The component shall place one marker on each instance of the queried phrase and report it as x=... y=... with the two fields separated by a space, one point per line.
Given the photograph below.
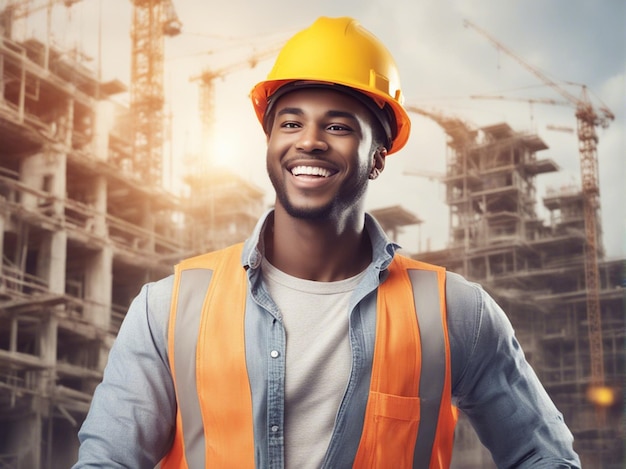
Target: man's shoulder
x=411 y=263
x=455 y=283
x=458 y=284
x=212 y=258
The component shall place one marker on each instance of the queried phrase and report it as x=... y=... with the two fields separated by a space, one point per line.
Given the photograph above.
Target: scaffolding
x=80 y=232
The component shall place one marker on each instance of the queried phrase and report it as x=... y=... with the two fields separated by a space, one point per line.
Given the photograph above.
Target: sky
x=442 y=65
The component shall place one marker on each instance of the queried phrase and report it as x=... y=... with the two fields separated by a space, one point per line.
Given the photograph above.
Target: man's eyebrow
x=289 y=110
x=346 y=114
x=331 y=113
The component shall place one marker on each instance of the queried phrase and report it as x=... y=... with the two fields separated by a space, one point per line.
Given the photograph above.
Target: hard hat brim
x=266 y=93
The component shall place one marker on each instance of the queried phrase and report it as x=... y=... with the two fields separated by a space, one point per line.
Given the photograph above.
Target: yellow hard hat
x=339 y=51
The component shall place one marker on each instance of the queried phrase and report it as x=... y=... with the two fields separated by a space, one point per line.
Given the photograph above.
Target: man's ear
x=378 y=162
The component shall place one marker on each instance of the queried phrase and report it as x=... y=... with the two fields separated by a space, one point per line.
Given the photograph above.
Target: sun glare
x=224 y=151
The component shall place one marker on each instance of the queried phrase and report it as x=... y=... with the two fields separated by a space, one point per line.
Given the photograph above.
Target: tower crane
x=207 y=93
x=152 y=20
x=587 y=118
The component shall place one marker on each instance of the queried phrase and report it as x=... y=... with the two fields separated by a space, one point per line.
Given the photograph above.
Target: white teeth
x=310 y=171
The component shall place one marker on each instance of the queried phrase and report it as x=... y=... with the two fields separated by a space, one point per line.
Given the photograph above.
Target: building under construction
x=535 y=269
x=85 y=221
x=83 y=225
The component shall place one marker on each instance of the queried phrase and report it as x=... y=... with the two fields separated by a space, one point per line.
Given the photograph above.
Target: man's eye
x=289 y=125
x=339 y=128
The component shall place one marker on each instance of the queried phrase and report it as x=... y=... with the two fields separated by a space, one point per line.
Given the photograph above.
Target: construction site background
x=85 y=221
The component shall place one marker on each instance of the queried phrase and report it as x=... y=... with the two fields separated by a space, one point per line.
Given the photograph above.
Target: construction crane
x=152 y=20
x=556 y=102
x=459 y=132
x=207 y=95
x=587 y=118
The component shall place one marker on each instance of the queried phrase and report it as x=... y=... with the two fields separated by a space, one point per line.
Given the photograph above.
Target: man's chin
x=308 y=213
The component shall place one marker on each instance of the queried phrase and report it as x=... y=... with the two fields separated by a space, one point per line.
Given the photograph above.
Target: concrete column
x=32 y=170
x=99 y=287
x=48 y=172
x=103 y=122
x=57 y=169
x=51 y=263
x=45 y=172
x=52 y=259
x=67 y=124
x=99 y=198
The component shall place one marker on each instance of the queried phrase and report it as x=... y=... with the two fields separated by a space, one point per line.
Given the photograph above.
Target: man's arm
x=132 y=415
x=496 y=388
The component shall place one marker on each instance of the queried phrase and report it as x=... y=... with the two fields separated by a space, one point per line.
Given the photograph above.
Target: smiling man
x=321 y=153
x=320 y=145
x=314 y=344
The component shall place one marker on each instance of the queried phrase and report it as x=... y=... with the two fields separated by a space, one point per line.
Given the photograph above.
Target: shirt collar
x=383 y=249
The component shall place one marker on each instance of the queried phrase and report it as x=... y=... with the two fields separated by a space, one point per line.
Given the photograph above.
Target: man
x=314 y=345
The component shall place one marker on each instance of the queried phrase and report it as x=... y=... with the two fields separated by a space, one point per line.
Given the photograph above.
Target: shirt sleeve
x=497 y=389
x=132 y=415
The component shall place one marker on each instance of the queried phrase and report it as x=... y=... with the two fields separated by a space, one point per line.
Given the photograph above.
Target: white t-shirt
x=318 y=359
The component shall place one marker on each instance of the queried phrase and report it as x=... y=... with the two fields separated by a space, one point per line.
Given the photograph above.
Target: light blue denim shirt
x=132 y=417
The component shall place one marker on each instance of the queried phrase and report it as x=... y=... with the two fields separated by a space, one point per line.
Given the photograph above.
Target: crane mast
x=587 y=119
x=152 y=20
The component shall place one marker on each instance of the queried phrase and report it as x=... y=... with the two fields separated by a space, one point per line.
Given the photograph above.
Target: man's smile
x=317 y=171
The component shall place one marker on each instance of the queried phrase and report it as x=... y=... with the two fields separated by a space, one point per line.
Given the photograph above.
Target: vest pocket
x=395 y=407
x=390 y=431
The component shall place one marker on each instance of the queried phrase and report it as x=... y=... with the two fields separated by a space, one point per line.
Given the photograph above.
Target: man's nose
x=311 y=139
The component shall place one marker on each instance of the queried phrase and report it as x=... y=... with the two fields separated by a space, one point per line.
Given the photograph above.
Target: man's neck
x=317 y=250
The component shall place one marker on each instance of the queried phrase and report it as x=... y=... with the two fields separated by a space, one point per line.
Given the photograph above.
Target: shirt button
x=274 y=354
x=274 y=428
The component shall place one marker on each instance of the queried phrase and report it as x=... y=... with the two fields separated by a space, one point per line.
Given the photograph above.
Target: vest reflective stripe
x=189 y=281
x=435 y=392
x=409 y=420
x=209 y=407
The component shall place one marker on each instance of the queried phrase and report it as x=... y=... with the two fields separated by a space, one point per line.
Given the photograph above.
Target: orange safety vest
x=409 y=422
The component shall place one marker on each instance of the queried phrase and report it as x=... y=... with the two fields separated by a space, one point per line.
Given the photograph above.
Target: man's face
x=319 y=153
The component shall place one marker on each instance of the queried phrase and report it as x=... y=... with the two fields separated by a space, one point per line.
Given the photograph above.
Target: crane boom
x=587 y=119
x=459 y=132
x=528 y=100
x=566 y=94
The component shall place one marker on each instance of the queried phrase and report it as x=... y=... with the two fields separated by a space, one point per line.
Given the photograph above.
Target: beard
x=349 y=196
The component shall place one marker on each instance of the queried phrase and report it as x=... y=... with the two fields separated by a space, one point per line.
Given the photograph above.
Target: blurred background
x=128 y=142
